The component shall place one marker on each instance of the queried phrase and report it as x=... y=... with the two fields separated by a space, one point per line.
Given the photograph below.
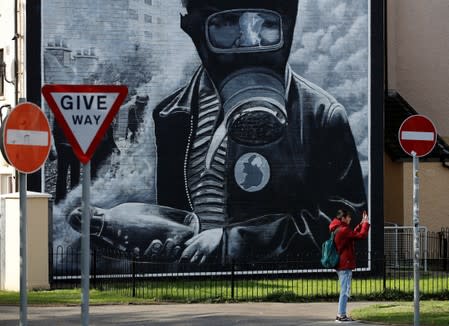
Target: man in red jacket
x=344 y=241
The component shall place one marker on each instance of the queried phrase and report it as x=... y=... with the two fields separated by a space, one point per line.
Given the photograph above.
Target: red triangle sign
x=84 y=113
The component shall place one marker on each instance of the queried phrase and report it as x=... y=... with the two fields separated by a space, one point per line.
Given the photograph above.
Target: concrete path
x=248 y=314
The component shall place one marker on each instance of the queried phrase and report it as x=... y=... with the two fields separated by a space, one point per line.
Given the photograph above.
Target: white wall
x=7 y=44
x=418 y=47
x=37 y=241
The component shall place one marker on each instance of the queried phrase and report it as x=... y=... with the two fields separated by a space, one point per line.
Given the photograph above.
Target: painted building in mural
x=247 y=126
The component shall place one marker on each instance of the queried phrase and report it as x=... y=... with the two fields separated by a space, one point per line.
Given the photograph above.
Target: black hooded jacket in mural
x=272 y=188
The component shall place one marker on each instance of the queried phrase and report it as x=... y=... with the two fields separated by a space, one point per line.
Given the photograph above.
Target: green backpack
x=329 y=254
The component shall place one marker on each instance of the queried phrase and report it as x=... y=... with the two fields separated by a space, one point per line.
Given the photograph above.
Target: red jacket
x=344 y=241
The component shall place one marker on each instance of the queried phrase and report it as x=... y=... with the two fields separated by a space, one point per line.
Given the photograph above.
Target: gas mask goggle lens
x=244 y=30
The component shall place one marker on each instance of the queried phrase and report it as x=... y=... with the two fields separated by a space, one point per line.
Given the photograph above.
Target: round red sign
x=26 y=138
x=417 y=135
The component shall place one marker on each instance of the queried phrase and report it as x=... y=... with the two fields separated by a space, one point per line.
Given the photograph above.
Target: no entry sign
x=26 y=138
x=418 y=135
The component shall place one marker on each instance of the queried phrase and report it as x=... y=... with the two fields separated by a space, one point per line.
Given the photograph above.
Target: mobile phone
x=365 y=213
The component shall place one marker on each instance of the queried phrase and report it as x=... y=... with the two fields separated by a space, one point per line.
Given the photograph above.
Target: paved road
x=248 y=314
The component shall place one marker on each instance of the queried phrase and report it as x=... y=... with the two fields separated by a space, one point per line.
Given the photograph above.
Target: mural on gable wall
x=245 y=129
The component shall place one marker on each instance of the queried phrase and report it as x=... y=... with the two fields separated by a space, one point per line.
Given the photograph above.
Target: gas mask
x=245 y=52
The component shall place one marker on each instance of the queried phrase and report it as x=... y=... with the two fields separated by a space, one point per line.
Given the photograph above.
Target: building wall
x=418 y=65
x=153 y=178
x=37 y=241
x=8 y=99
x=398 y=194
x=7 y=44
x=393 y=193
x=418 y=44
x=433 y=195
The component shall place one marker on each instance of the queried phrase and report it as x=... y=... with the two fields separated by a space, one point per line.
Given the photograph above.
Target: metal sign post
x=84 y=113
x=416 y=250
x=25 y=141
x=417 y=136
x=85 y=245
x=23 y=248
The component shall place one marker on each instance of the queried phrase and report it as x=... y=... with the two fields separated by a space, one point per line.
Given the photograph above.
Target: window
x=148 y=19
x=67 y=58
x=132 y=14
x=2 y=72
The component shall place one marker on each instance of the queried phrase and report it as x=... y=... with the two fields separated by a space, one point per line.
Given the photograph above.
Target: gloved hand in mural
x=153 y=232
x=261 y=156
x=202 y=245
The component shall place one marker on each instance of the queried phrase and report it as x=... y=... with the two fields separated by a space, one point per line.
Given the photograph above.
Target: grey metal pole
x=23 y=248
x=85 y=245
x=416 y=253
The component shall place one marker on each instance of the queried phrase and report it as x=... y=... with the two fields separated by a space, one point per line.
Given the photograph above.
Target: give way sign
x=417 y=135
x=84 y=113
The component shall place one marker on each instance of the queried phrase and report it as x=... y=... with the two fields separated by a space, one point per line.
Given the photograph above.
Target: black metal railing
x=113 y=270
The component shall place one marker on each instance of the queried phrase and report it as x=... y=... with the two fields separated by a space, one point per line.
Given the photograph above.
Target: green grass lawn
x=269 y=289
x=221 y=290
x=402 y=313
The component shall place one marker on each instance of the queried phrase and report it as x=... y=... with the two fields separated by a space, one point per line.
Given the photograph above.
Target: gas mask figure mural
x=252 y=159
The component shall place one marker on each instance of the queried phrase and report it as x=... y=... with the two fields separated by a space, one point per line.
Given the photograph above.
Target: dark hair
x=342 y=213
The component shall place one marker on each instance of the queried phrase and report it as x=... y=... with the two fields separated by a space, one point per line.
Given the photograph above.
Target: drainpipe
x=16 y=52
x=18 y=61
x=385 y=13
x=19 y=52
